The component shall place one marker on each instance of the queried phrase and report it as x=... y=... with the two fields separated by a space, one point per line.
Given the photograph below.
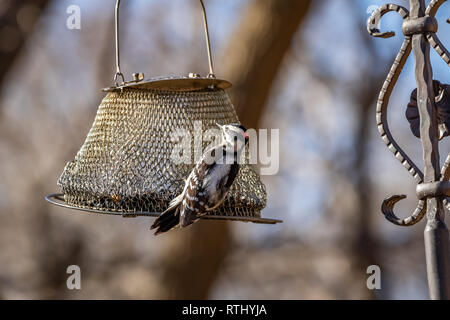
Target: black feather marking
x=240 y=126
x=166 y=221
x=188 y=217
x=232 y=175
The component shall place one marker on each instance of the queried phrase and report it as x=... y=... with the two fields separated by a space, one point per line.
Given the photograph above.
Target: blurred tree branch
x=356 y=237
x=192 y=258
x=17 y=19
x=256 y=52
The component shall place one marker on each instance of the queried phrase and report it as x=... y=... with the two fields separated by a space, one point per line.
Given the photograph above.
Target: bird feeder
x=124 y=167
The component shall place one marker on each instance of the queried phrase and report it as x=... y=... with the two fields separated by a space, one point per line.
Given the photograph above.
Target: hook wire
x=208 y=42
x=116 y=28
x=117 y=40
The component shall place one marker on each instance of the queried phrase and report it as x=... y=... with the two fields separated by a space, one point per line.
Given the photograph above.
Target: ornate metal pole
x=429 y=115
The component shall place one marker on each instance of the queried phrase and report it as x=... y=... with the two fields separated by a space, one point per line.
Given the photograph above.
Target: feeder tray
x=125 y=168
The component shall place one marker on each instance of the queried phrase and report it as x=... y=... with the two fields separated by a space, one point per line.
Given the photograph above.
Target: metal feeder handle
x=116 y=25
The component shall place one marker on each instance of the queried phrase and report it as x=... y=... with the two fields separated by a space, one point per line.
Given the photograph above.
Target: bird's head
x=234 y=135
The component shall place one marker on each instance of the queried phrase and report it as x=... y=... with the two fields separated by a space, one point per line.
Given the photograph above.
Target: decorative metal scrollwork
x=442 y=102
x=426 y=25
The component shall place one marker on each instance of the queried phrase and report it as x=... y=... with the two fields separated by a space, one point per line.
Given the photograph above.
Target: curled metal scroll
x=119 y=73
x=388 y=205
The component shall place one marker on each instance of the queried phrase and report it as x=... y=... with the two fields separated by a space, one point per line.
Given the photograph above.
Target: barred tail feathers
x=167 y=221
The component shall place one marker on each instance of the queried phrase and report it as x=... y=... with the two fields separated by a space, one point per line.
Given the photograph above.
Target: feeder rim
x=58 y=200
x=192 y=82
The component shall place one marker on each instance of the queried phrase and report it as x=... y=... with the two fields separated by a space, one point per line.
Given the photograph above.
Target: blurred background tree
x=17 y=21
x=306 y=67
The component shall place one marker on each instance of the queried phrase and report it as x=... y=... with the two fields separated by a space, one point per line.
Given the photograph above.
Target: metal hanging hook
x=119 y=73
x=116 y=28
x=208 y=43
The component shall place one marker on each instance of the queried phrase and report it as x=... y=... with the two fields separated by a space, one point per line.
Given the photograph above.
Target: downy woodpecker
x=208 y=183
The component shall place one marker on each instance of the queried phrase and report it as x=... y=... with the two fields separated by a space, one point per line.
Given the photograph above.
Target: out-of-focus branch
x=17 y=19
x=192 y=258
x=357 y=238
x=256 y=52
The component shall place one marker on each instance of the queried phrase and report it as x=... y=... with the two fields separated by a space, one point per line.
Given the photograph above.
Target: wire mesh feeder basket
x=125 y=168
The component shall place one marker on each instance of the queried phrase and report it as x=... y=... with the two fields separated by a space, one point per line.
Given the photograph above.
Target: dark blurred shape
x=17 y=18
x=256 y=52
x=441 y=92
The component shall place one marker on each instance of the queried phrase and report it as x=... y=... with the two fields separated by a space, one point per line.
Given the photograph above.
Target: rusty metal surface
x=442 y=103
x=428 y=115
